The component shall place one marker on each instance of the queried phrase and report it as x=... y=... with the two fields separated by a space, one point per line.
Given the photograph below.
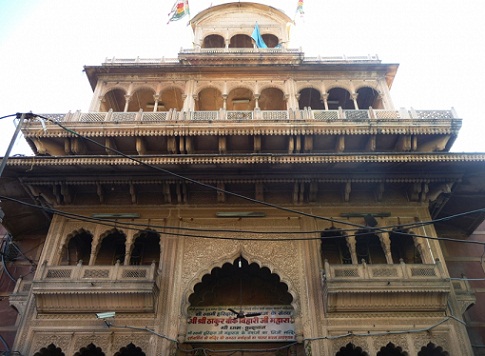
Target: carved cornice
x=270 y=159
x=251 y=128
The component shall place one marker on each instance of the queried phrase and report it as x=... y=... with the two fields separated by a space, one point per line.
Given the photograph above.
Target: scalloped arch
x=230 y=259
x=144 y=86
x=109 y=89
x=170 y=87
x=272 y=86
x=211 y=85
x=241 y=85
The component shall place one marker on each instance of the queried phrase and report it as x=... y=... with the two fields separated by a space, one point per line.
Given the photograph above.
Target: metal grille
x=325 y=115
x=275 y=115
x=239 y=115
x=92 y=117
x=205 y=115
x=155 y=116
x=96 y=273
x=386 y=114
x=357 y=114
x=123 y=116
x=59 y=273
x=137 y=273
x=384 y=272
x=423 y=272
x=347 y=272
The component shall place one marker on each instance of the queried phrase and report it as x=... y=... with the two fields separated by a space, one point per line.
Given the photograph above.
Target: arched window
x=270 y=40
x=146 y=248
x=240 y=99
x=170 y=98
x=368 y=97
x=113 y=100
x=51 y=350
x=112 y=248
x=90 y=350
x=339 y=97
x=368 y=247
x=141 y=99
x=334 y=246
x=351 y=350
x=310 y=98
x=391 y=350
x=432 y=350
x=213 y=41
x=272 y=99
x=130 y=350
x=209 y=99
x=241 y=41
x=78 y=248
x=403 y=247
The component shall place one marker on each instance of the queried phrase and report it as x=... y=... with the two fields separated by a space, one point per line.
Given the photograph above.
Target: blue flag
x=256 y=36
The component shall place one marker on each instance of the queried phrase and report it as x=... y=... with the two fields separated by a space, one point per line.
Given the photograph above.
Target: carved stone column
x=256 y=100
x=156 y=98
x=386 y=246
x=127 y=102
x=354 y=99
x=351 y=244
x=325 y=100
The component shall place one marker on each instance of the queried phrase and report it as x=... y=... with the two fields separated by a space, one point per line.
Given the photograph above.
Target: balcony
x=77 y=289
x=367 y=117
x=382 y=288
x=246 y=131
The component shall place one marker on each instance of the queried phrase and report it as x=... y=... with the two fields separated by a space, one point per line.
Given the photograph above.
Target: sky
x=439 y=45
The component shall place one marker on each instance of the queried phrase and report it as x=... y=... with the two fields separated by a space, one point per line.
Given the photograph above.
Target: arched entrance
x=242 y=307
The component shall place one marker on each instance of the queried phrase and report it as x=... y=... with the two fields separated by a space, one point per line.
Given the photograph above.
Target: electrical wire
x=144 y=227
x=134 y=159
x=11 y=115
x=220 y=190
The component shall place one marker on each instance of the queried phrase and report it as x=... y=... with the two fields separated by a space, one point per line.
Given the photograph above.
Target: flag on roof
x=299 y=8
x=179 y=10
x=258 y=39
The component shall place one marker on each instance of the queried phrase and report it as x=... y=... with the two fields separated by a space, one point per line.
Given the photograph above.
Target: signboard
x=218 y=324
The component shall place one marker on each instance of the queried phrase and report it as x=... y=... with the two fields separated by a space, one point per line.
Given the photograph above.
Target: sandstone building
x=241 y=200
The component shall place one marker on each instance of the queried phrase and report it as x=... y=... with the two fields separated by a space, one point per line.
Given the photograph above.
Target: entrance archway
x=246 y=301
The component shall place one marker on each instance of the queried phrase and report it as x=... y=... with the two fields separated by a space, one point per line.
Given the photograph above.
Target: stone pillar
x=354 y=99
x=127 y=102
x=386 y=246
x=351 y=244
x=224 y=101
x=256 y=100
x=156 y=98
x=325 y=100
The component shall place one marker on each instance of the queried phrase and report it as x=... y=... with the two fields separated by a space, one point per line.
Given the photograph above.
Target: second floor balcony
x=66 y=289
x=384 y=287
x=246 y=131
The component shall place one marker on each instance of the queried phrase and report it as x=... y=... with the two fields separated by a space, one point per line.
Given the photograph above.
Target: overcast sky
x=439 y=44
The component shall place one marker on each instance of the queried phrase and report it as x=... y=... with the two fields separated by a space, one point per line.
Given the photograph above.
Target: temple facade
x=241 y=199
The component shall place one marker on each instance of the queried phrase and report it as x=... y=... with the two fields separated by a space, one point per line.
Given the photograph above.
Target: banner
x=218 y=324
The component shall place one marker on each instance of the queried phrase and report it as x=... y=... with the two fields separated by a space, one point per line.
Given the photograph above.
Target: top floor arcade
x=233 y=25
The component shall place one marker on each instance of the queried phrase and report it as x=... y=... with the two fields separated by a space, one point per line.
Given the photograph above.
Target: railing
x=99 y=273
x=382 y=287
x=70 y=289
x=185 y=51
x=353 y=116
x=366 y=271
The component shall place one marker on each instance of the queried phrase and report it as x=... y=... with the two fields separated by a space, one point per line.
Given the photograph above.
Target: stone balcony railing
x=401 y=117
x=380 y=288
x=184 y=51
x=66 y=289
